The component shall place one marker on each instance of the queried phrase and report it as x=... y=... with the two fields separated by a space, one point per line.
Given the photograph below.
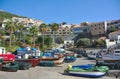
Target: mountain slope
x=7 y=15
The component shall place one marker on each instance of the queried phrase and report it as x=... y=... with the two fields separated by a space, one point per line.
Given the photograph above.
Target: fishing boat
x=58 y=62
x=10 y=67
x=109 y=57
x=51 y=57
x=87 y=71
x=1 y=61
x=92 y=55
x=33 y=61
x=69 y=59
x=23 y=65
x=7 y=57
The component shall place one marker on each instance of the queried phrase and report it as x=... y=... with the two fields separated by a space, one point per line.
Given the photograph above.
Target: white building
x=114 y=35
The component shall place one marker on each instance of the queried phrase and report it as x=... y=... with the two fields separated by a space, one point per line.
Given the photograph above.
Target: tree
x=10 y=28
x=101 y=42
x=84 y=23
x=112 y=29
x=54 y=27
x=20 y=28
x=63 y=23
x=42 y=28
x=34 y=31
x=83 y=42
x=60 y=40
x=48 y=40
x=2 y=37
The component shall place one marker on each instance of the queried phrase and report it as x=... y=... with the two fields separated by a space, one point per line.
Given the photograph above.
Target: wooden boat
x=87 y=71
x=7 y=57
x=33 y=61
x=10 y=67
x=69 y=59
x=108 y=58
x=49 y=58
x=23 y=65
x=52 y=63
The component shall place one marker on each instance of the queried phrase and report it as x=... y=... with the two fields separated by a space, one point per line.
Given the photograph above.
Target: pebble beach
x=40 y=72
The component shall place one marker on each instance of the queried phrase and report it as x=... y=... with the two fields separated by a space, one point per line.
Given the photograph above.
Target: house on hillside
x=115 y=36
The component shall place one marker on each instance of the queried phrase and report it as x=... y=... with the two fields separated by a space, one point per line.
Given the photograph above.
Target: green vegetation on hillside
x=7 y=15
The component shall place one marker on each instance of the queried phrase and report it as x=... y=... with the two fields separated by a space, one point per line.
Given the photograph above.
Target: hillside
x=7 y=15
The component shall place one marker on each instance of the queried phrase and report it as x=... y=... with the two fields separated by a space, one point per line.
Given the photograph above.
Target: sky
x=69 y=11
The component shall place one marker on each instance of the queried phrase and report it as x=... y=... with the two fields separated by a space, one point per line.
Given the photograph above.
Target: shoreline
x=40 y=72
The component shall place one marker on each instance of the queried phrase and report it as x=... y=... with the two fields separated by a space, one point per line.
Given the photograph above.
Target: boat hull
x=67 y=60
x=87 y=74
x=52 y=62
x=33 y=61
x=108 y=58
x=87 y=70
x=12 y=67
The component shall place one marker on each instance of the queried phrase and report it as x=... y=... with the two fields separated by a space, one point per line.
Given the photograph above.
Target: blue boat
x=69 y=59
x=90 y=71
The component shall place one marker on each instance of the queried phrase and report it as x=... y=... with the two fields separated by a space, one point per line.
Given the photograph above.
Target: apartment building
x=113 y=23
x=97 y=28
x=63 y=30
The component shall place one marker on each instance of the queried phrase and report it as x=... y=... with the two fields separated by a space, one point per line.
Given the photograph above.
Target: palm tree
x=34 y=31
x=10 y=28
x=42 y=28
x=20 y=28
x=54 y=28
x=2 y=37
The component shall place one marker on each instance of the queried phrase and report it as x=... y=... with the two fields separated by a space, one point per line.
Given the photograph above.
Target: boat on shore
x=10 y=67
x=109 y=57
x=33 y=61
x=69 y=59
x=58 y=62
x=111 y=65
x=87 y=71
x=7 y=57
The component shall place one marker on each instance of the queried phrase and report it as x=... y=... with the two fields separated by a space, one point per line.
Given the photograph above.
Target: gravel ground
x=40 y=72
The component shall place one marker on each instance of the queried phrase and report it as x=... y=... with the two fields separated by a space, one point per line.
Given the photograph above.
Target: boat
x=0 y=65
x=109 y=57
x=90 y=71
x=7 y=57
x=111 y=65
x=33 y=61
x=92 y=55
x=10 y=67
x=51 y=57
x=58 y=62
x=69 y=59
x=23 y=65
